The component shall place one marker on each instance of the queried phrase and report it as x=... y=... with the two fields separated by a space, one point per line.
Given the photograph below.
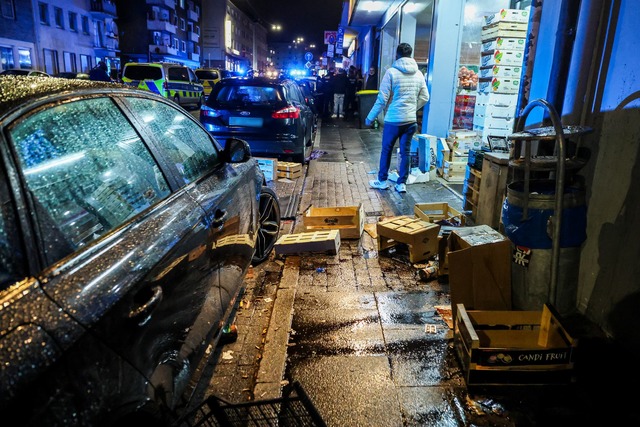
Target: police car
x=209 y=77
x=173 y=81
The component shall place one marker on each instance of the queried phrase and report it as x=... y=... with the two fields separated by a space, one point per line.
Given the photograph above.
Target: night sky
x=298 y=18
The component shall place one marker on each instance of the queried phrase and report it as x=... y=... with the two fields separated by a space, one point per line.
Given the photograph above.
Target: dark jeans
x=390 y=134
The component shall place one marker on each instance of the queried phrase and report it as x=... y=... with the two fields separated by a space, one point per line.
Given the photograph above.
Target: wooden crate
x=348 y=220
x=289 y=170
x=434 y=212
x=317 y=241
x=421 y=236
x=513 y=347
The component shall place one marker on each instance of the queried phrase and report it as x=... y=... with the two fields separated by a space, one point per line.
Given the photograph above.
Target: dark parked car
x=271 y=115
x=125 y=235
x=72 y=75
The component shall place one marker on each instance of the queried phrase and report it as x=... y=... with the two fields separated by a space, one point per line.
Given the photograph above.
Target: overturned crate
x=348 y=220
x=513 y=347
x=439 y=211
x=316 y=241
x=420 y=236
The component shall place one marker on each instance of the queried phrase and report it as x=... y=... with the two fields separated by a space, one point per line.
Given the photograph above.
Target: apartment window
x=69 y=59
x=197 y=31
x=176 y=43
x=51 y=61
x=8 y=9
x=59 y=17
x=182 y=5
x=197 y=9
x=73 y=22
x=85 y=63
x=43 y=10
x=183 y=46
x=182 y=24
x=85 y=25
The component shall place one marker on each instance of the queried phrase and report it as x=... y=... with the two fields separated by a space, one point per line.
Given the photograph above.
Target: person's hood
x=406 y=65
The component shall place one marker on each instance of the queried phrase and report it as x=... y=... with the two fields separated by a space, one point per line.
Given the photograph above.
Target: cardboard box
x=499 y=85
x=500 y=123
x=500 y=99
x=513 y=347
x=502 y=57
x=506 y=112
x=508 y=15
x=348 y=220
x=420 y=236
x=479 y=268
x=502 y=43
x=269 y=167
x=289 y=170
x=516 y=30
x=500 y=71
x=439 y=211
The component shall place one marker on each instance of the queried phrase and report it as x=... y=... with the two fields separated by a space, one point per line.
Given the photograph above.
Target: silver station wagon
x=126 y=232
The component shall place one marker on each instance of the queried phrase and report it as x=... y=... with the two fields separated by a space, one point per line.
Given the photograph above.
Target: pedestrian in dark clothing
x=340 y=82
x=327 y=94
x=403 y=91
x=372 y=79
x=99 y=73
x=350 y=94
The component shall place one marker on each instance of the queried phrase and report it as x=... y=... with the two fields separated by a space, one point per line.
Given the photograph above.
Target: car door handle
x=219 y=218
x=142 y=313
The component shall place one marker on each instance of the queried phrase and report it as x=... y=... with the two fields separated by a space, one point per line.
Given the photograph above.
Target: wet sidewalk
x=360 y=330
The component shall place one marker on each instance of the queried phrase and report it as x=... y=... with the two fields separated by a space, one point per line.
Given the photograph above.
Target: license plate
x=245 y=121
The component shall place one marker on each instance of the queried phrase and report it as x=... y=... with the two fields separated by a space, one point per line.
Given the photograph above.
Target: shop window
x=6 y=58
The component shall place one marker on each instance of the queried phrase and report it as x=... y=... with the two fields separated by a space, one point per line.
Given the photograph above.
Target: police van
x=173 y=81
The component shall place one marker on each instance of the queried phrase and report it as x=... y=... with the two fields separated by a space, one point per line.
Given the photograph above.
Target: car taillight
x=286 y=113
x=209 y=112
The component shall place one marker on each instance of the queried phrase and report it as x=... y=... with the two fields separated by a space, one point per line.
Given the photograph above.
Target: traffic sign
x=308 y=56
x=308 y=65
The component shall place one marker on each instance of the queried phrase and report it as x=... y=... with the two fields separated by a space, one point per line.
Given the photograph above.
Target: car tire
x=268 y=224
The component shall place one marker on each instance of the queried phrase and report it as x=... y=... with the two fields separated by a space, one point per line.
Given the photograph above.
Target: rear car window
x=230 y=95
x=142 y=72
x=207 y=75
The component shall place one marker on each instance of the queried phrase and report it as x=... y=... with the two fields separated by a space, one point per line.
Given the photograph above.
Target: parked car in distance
x=126 y=232
x=171 y=80
x=271 y=115
x=72 y=75
x=24 y=72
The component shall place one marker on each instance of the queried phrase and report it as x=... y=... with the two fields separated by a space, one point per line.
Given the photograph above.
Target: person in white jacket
x=403 y=91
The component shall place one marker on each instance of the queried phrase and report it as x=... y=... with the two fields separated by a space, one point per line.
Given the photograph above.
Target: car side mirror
x=237 y=150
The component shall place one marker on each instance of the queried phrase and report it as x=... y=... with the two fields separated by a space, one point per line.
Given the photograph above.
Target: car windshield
x=207 y=75
x=142 y=72
x=242 y=95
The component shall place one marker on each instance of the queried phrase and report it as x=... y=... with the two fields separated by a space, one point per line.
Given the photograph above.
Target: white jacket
x=403 y=91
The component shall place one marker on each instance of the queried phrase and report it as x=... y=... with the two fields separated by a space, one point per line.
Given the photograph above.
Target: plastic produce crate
x=294 y=408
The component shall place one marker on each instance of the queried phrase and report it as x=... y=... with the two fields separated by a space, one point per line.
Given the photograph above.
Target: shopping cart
x=294 y=408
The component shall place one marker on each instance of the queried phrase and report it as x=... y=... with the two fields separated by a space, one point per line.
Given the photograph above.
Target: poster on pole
x=340 y=40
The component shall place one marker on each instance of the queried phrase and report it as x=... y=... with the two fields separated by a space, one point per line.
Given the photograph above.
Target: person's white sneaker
x=401 y=188
x=380 y=185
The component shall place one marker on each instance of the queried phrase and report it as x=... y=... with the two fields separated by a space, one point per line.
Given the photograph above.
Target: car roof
x=254 y=81
x=18 y=90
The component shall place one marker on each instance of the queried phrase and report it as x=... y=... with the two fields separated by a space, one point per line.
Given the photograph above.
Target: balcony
x=194 y=37
x=171 y=4
x=103 y=8
x=194 y=57
x=161 y=49
x=192 y=16
x=157 y=25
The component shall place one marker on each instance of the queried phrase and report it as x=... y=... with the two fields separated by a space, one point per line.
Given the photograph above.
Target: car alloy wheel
x=269 y=224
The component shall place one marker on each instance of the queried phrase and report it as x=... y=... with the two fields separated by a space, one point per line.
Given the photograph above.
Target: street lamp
x=276 y=27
